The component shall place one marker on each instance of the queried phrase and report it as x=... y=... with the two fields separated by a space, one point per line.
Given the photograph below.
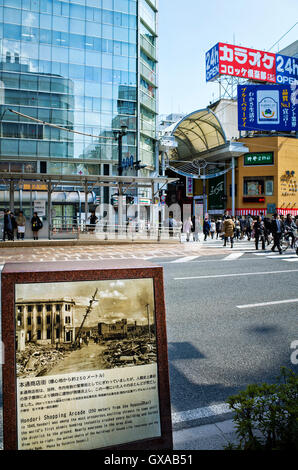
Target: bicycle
x=285 y=241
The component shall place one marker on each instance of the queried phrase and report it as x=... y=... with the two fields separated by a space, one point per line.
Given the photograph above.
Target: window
x=49 y=308
x=258 y=186
x=30 y=308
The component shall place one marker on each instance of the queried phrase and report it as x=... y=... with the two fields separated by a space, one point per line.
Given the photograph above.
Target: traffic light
x=130 y=200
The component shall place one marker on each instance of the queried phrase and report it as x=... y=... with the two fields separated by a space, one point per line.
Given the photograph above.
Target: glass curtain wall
x=74 y=64
x=148 y=81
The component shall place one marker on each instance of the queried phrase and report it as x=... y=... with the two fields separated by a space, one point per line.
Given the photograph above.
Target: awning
x=196 y=133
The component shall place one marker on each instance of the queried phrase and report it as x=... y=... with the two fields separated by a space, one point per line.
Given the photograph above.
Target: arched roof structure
x=196 y=133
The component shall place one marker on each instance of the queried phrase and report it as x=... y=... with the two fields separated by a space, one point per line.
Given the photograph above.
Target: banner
x=242 y=62
x=267 y=108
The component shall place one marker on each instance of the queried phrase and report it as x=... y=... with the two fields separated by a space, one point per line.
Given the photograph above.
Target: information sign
x=85 y=357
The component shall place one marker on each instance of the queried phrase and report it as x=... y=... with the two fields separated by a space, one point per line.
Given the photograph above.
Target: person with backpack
x=36 y=225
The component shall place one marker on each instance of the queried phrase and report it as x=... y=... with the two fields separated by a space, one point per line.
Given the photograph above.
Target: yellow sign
x=35 y=187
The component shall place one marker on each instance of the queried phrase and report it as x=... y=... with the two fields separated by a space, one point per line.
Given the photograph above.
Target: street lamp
x=118 y=137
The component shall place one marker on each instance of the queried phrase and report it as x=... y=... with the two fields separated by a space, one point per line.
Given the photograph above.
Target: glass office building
x=87 y=66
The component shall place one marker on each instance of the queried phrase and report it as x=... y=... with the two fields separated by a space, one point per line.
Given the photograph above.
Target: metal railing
x=128 y=232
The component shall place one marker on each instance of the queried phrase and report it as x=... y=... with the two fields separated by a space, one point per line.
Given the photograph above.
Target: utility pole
x=148 y=316
x=88 y=310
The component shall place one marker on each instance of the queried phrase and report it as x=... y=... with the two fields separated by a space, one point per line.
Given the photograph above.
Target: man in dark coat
x=277 y=228
x=8 y=225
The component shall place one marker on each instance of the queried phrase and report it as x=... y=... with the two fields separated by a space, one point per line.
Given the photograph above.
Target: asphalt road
x=219 y=338
x=217 y=342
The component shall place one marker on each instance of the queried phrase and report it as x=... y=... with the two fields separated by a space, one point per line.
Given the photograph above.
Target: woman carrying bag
x=21 y=225
x=36 y=225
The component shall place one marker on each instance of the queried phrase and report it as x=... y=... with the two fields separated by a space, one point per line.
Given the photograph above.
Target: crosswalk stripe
x=233 y=256
x=185 y=259
x=293 y=260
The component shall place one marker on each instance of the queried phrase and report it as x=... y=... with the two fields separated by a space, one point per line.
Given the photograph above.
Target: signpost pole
x=233 y=186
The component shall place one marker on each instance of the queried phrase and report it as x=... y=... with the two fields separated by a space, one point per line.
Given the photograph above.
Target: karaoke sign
x=242 y=62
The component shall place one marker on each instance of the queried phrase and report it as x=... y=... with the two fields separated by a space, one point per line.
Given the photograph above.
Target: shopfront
x=266 y=178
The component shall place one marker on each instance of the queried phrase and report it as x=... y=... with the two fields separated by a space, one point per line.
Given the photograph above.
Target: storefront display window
x=258 y=186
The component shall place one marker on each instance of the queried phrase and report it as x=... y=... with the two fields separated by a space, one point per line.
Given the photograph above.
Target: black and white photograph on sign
x=68 y=327
x=86 y=364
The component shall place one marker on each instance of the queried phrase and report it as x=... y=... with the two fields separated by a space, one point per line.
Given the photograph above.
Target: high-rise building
x=87 y=66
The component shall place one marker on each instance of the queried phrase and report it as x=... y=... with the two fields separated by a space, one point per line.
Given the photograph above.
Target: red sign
x=247 y=63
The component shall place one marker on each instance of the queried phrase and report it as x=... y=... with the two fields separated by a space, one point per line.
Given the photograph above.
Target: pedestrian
x=218 y=227
x=93 y=221
x=249 y=222
x=8 y=226
x=237 y=228
x=290 y=228
x=212 y=228
x=187 y=226
x=197 y=229
x=21 y=225
x=267 y=223
x=259 y=231
x=36 y=225
x=242 y=227
x=277 y=231
x=206 y=228
x=228 y=228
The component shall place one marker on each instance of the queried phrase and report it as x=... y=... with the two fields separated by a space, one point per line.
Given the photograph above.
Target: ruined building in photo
x=44 y=322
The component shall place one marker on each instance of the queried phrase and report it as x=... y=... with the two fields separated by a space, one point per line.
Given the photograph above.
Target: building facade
x=43 y=322
x=266 y=178
x=87 y=66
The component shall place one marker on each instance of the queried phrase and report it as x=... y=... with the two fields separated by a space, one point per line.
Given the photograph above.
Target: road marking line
x=185 y=259
x=199 y=413
x=233 y=256
x=264 y=304
x=293 y=260
x=234 y=275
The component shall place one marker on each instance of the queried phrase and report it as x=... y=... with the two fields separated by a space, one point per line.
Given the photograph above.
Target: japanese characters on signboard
x=241 y=62
x=259 y=158
x=267 y=107
x=286 y=70
x=189 y=186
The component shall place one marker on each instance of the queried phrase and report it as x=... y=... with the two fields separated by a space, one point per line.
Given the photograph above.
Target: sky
x=122 y=298
x=189 y=28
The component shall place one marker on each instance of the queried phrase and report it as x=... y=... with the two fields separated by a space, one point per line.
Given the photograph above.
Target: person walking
x=228 y=228
x=187 y=226
x=259 y=231
x=237 y=228
x=212 y=228
x=290 y=227
x=218 y=227
x=36 y=225
x=206 y=228
x=21 y=225
x=277 y=228
x=249 y=222
x=196 y=228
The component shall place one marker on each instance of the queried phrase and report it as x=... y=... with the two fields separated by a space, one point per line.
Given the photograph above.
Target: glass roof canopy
x=196 y=133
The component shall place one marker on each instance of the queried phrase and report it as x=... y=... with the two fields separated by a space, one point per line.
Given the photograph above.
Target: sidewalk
x=206 y=437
